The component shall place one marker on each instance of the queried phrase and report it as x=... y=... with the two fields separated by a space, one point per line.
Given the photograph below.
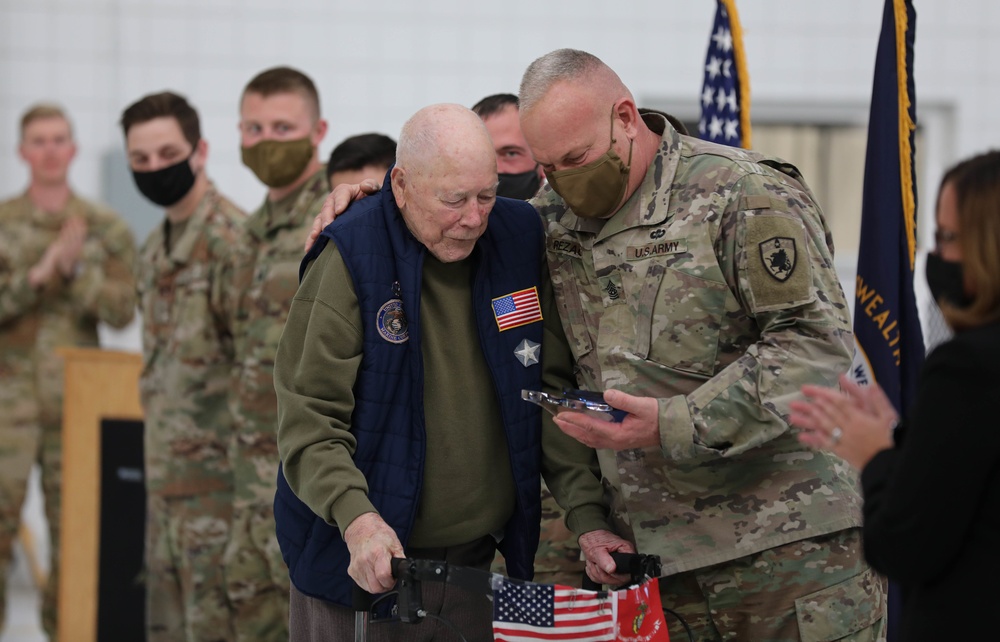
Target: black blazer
x=932 y=503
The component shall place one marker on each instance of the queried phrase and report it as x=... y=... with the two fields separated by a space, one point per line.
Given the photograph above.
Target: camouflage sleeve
x=104 y=288
x=570 y=468
x=225 y=250
x=777 y=259
x=233 y=281
x=314 y=373
x=16 y=294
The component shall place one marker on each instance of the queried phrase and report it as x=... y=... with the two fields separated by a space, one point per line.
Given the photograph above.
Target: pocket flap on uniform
x=842 y=609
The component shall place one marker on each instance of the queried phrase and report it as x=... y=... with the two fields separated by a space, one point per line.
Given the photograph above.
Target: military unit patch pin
x=391 y=322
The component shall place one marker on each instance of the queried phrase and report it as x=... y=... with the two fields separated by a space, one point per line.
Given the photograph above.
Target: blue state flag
x=725 y=91
x=890 y=345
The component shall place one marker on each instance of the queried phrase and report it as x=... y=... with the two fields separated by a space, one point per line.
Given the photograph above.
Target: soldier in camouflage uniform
x=65 y=264
x=696 y=285
x=281 y=130
x=187 y=361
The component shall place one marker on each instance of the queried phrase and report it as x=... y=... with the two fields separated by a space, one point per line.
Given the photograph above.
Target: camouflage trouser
x=256 y=576
x=185 y=584
x=810 y=590
x=558 y=558
x=21 y=446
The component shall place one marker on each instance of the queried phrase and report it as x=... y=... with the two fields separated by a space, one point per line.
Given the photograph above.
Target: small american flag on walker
x=517 y=309
x=528 y=612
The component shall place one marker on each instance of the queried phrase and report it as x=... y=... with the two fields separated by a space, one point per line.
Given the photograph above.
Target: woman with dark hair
x=932 y=486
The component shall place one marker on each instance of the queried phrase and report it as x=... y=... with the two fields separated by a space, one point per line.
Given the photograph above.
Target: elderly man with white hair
x=422 y=314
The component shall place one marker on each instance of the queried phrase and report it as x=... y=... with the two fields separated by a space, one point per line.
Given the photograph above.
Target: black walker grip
x=361 y=600
x=637 y=566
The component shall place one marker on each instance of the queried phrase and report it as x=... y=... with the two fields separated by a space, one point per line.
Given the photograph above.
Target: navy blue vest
x=385 y=262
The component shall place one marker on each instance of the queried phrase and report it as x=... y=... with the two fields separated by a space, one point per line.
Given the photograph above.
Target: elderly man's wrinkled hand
x=336 y=202
x=639 y=429
x=597 y=547
x=372 y=545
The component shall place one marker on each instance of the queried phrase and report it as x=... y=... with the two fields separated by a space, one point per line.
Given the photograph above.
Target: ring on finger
x=835 y=435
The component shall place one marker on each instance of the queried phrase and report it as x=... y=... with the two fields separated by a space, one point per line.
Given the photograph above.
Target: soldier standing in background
x=518 y=173
x=65 y=265
x=187 y=365
x=360 y=157
x=281 y=129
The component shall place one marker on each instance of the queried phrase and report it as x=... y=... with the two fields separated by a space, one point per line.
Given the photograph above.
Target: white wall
x=377 y=62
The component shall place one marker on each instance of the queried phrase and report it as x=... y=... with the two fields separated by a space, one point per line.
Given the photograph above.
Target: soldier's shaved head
x=575 y=109
x=570 y=65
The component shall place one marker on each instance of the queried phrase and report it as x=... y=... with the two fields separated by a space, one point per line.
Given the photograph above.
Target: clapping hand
x=854 y=423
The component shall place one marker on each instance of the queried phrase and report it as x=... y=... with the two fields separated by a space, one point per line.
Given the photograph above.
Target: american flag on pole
x=517 y=309
x=528 y=612
x=725 y=93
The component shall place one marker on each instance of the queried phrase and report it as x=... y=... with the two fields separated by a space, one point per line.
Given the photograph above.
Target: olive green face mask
x=595 y=189
x=278 y=163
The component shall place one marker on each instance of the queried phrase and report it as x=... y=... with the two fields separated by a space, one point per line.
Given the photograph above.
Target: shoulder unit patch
x=778 y=255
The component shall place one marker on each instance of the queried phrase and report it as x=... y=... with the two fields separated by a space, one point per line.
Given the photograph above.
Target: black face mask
x=521 y=186
x=946 y=281
x=166 y=186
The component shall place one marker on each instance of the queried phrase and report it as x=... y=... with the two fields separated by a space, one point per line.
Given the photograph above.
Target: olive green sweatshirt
x=468 y=487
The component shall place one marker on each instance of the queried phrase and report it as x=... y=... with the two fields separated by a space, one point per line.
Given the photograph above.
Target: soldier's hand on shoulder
x=336 y=202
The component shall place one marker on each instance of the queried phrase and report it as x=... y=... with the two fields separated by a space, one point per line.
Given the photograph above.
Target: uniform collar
x=649 y=204
x=53 y=220
x=288 y=211
x=181 y=248
x=641 y=209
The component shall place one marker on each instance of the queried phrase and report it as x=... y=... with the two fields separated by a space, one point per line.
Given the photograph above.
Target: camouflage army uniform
x=185 y=383
x=713 y=290
x=266 y=277
x=32 y=325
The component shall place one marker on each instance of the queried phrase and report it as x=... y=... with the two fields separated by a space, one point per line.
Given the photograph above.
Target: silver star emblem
x=527 y=352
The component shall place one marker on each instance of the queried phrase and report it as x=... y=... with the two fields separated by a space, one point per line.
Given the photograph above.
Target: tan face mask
x=278 y=163
x=594 y=190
